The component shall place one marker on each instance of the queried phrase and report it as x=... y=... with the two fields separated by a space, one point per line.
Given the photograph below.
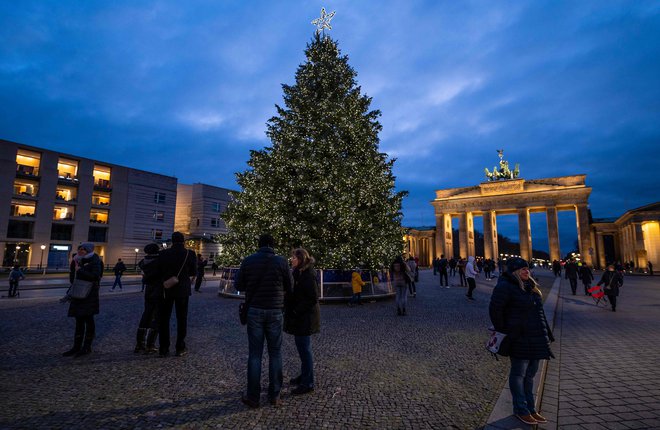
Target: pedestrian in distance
x=400 y=276
x=87 y=266
x=412 y=286
x=265 y=278
x=436 y=265
x=199 y=275
x=302 y=317
x=586 y=275
x=147 y=331
x=571 y=273
x=556 y=268
x=461 y=271
x=650 y=267
x=119 y=270
x=453 y=263
x=15 y=275
x=516 y=309
x=612 y=280
x=470 y=275
x=214 y=267
x=175 y=261
x=443 y=264
x=356 y=284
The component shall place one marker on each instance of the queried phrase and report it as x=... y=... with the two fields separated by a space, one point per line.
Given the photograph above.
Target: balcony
x=20 y=210
x=102 y=185
x=25 y=189
x=63 y=214
x=66 y=179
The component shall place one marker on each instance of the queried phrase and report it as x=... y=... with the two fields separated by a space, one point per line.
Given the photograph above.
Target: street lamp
x=136 y=253
x=18 y=248
x=41 y=260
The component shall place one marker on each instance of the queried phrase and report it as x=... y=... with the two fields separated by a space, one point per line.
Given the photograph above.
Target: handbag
x=173 y=281
x=80 y=289
x=498 y=343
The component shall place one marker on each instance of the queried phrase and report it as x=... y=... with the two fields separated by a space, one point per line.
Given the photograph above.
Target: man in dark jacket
x=179 y=262
x=148 y=328
x=443 y=263
x=265 y=278
x=571 y=273
x=199 y=277
x=119 y=270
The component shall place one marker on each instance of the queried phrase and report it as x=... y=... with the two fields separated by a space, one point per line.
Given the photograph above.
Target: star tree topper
x=323 y=21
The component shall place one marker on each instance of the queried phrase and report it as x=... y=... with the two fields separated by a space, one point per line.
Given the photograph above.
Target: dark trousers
x=612 y=300
x=13 y=288
x=443 y=275
x=412 y=288
x=181 y=307
x=85 y=330
x=573 y=284
x=117 y=282
x=452 y=271
x=472 y=284
x=198 y=281
x=462 y=276
x=150 y=314
x=587 y=285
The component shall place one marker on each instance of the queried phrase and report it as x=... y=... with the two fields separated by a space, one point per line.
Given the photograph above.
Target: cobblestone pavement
x=373 y=369
x=607 y=372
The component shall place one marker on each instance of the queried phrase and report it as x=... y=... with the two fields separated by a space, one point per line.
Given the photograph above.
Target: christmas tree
x=323 y=184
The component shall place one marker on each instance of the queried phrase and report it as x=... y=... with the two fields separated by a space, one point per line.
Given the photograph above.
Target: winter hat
x=152 y=248
x=177 y=237
x=515 y=263
x=87 y=246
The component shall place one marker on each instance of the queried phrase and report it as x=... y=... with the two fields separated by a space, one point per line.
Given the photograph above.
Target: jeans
x=356 y=298
x=264 y=324
x=472 y=284
x=401 y=296
x=165 y=312
x=304 y=346
x=117 y=282
x=521 y=384
x=573 y=282
x=443 y=275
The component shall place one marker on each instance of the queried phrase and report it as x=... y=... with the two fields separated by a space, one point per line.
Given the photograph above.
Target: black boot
x=151 y=348
x=140 y=339
x=398 y=311
x=86 y=348
x=77 y=344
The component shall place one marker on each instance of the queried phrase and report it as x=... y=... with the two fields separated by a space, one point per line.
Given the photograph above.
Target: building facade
x=198 y=210
x=54 y=201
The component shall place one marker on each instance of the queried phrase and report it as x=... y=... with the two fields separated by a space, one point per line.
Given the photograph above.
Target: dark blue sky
x=185 y=88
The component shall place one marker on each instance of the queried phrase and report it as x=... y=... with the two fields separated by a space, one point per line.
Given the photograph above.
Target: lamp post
x=41 y=260
x=18 y=248
x=136 y=253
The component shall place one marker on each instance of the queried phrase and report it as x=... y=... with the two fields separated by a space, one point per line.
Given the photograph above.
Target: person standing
x=15 y=276
x=443 y=271
x=148 y=327
x=119 y=270
x=452 y=267
x=265 y=278
x=86 y=266
x=400 y=274
x=587 y=276
x=199 y=276
x=436 y=265
x=461 y=271
x=556 y=268
x=412 y=265
x=650 y=266
x=516 y=309
x=612 y=281
x=302 y=317
x=356 y=284
x=571 y=273
x=470 y=275
x=175 y=261
x=214 y=267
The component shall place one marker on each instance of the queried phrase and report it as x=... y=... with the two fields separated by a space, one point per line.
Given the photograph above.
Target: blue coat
x=519 y=314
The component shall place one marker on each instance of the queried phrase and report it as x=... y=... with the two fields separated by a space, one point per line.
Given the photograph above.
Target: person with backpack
x=14 y=276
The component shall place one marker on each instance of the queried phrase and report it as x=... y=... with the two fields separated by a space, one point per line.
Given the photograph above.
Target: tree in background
x=322 y=184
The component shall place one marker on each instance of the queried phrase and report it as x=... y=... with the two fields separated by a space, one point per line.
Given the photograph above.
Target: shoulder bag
x=173 y=281
x=80 y=288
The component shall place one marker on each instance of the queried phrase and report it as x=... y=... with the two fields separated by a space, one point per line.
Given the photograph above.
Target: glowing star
x=323 y=21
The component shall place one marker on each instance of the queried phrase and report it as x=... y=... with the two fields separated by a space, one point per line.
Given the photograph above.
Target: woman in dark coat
x=148 y=327
x=302 y=317
x=612 y=280
x=86 y=266
x=516 y=309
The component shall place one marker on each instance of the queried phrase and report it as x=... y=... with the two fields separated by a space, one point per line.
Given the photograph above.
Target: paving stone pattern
x=374 y=370
x=607 y=375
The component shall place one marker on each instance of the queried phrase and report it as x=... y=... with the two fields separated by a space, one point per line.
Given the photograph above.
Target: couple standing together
x=270 y=288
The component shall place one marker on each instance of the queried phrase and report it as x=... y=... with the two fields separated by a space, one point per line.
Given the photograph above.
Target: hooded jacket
x=469 y=268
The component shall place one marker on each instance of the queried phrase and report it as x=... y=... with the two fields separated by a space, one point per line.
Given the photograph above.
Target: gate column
x=582 y=218
x=553 y=233
x=524 y=234
x=490 y=235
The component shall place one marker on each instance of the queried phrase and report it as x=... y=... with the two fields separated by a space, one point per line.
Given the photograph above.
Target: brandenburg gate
x=512 y=196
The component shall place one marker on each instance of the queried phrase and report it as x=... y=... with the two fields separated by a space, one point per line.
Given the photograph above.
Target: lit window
x=22 y=209
x=27 y=162
x=67 y=169
x=101 y=176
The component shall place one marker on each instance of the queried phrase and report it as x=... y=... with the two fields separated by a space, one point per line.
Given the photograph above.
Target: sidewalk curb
x=501 y=416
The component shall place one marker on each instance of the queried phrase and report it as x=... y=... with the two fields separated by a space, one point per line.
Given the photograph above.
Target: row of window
x=25 y=230
x=28 y=164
